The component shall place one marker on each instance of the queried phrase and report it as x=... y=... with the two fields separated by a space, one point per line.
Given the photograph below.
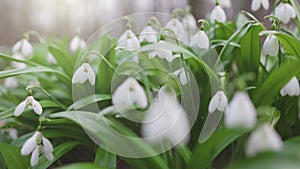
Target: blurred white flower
x=218 y=14
x=285 y=12
x=200 y=40
x=256 y=4
x=148 y=34
x=18 y=65
x=166 y=120
x=30 y=103
x=50 y=58
x=270 y=46
x=10 y=82
x=291 y=88
x=24 y=48
x=84 y=73
x=162 y=53
x=77 y=43
x=178 y=29
x=189 y=23
x=218 y=101
x=264 y=138
x=12 y=132
x=37 y=144
x=240 y=112
x=128 y=41
x=225 y=3
x=128 y=95
x=182 y=75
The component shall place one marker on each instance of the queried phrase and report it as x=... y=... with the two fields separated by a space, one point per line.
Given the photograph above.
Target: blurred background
x=63 y=17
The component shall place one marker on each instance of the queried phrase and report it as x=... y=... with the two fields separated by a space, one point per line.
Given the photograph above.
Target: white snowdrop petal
x=75 y=43
x=29 y=145
x=20 y=108
x=264 y=138
x=290 y=10
x=90 y=73
x=255 y=5
x=17 y=46
x=34 y=160
x=47 y=145
x=49 y=156
x=271 y=46
x=79 y=75
x=165 y=119
x=213 y=104
x=200 y=40
x=291 y=88
x=218 y=14
x=148 y=34
x=27 y=49
x=128 y=40
x=241 y=112
x=225 y=3
x=36 y=106
x=265 y=4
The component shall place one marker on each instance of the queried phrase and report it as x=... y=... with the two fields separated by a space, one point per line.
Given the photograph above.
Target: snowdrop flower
x=225 y=3
x=218 y=14
x=218 y=102
x=189 y=23
x=166 y=119
x=10 y=82
x=291 y=88
x=30 y=103
x=12 y=132
x=200 y=40
x=37 y=145
x=18 y=65
x=148 y=34
x=129 y=95
x=84 y=73
x=270 y=46
x=162 y=53
x=77 y=43
x=128 y=40
x=256 y=4
x=241 y=112
x=284 y=12
x=50 y=58
x=178 y=29
x=264 y=138
x=181 y=73
x=24 y=48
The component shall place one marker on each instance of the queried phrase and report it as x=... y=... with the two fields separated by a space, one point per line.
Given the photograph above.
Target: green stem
x=48 y=94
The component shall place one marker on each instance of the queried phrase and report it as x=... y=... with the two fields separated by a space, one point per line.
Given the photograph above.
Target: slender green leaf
x=88 y=100
x=12 y=156
x=105 y=159
x=82 y=166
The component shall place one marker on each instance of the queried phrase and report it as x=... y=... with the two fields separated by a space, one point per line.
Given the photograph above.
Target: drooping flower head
x=285 y=12
x=37 y=145
x=182 y=75
x=84 y=73
x=218 y=14
x=292 y=88
x=128 y=41
x=23 y=48
x=256 y=4
x=148 y=34
x=30 y=103
x=200 y=40
x=218 y=102
x=264 y=138
x=77 y=43
x=178 y=28
x=270 y=46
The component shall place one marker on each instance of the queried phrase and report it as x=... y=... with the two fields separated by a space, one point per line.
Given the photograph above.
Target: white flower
x=256 y=4
x=181 y=73
x=241 y=112
x=12 y=132
x=225 y=3
x=270 y=46
x=291 y=88
x=218 y=14
x=37 y=144
x=128 y=40
x=284 y=12
x=166 y=119
x=50 y=58
x=200 y=40
x=30 y=103
x=77 y=43
x=84 y=73
x=10 y=82
x=162 y=53
x=264 y=138
x=178 y=29
x=23 y=47
x=128 y=95
x=148 y=34
x=18 y=65
x=218 y=101
x=189 y=23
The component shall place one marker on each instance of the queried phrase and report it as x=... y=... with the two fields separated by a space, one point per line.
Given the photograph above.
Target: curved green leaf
x=88 y=100
x=12 y=156
x=82 y=166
